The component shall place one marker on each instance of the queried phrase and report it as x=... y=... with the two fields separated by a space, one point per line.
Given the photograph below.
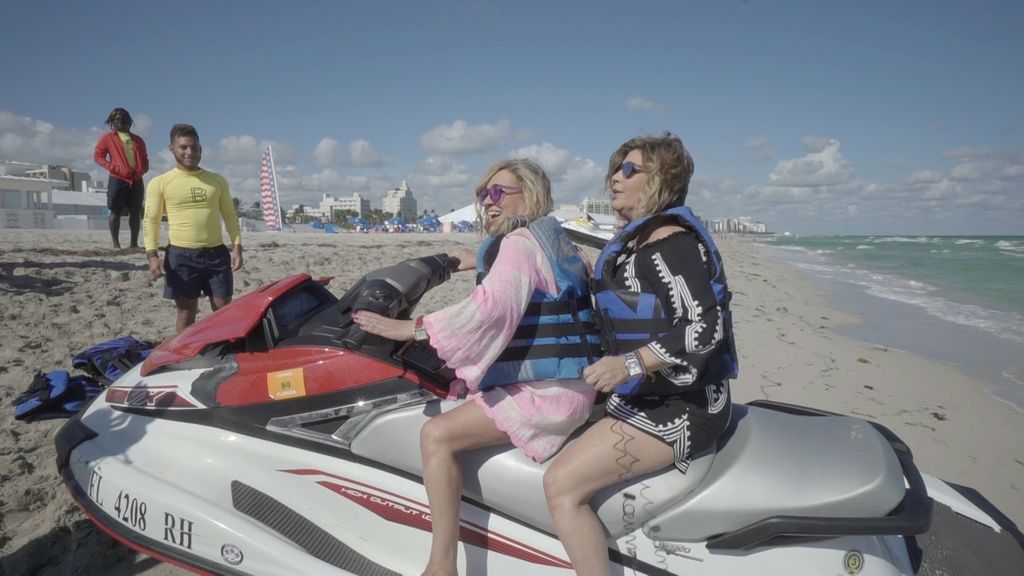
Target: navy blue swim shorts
x=191 y=272
x=123 y=195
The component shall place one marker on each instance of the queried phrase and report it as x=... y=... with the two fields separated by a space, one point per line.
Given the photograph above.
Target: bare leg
x=589 y=464
x=134 y=221
x=114 y=223
x=186 y=312
x=218 y=303
x=441 y=439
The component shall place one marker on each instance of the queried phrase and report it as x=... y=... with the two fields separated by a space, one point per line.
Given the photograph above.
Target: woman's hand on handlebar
x=398 y=330
x=466 y=258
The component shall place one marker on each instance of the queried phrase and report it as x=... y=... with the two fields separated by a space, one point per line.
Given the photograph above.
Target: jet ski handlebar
x=394 y=291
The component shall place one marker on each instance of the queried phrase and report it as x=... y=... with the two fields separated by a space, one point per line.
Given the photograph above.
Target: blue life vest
x=630 y=320
x=55 y=394
x=108 y=361
x=557 y=336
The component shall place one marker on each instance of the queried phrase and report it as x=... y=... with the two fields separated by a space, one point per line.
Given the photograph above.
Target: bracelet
x=640 y=359
x=419 y=333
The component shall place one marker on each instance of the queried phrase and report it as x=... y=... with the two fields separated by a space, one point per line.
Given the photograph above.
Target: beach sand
x=62 y=291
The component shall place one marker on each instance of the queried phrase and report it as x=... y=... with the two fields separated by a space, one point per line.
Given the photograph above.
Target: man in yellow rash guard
x=195 y=200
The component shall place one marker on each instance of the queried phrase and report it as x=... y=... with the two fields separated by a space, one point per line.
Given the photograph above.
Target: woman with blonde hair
x=519 y=343
x=663 y=306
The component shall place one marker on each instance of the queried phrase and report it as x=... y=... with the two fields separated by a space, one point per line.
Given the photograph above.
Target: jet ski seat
x=506 y=480
x=768 y=464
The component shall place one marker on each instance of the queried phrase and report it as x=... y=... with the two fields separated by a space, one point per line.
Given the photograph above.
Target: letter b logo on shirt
x=198 y=195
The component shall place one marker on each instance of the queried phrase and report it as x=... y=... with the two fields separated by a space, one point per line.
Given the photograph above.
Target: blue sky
x=814 y=117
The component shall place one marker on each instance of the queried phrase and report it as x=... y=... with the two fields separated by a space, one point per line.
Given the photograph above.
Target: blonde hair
x=668 y=166
x=536 y=190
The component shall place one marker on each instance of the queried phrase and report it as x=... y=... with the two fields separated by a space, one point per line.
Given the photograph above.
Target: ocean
x=957 y=299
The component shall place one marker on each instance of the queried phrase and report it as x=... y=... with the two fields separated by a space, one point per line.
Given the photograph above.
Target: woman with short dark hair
x=663 y=306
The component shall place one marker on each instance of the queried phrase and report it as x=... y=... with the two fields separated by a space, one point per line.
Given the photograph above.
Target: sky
x=817 y=117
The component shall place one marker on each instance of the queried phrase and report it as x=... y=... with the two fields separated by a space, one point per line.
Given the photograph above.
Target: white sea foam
x=864 y=247
x=916 y=239
x=1010 y=246
x=1007 y=325
x=969 y=241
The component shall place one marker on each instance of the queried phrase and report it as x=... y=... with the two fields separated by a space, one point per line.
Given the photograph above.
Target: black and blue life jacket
x=631 y=319
x=557 y=336
x=54 y=395
x=108 y=361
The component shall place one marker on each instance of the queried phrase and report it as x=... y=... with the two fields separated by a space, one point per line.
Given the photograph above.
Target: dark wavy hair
x=118 y=113
x=669 y=169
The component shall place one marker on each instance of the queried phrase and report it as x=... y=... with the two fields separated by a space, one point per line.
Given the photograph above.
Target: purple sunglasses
x=496 y=192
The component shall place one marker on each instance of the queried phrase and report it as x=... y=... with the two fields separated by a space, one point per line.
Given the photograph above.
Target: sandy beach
x=62 y=291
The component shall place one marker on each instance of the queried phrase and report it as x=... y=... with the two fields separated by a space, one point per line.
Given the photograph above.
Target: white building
x=329 y=205
x=400 y=202
x=596 y=206
x=740 y=225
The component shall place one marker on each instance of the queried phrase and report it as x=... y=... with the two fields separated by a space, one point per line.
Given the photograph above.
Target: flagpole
x=277 y=195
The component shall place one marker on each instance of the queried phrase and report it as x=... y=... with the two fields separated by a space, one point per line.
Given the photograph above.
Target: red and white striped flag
x=268 y=192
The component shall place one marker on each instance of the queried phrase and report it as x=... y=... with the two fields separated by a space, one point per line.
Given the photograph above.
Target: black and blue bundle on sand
x=57 y=394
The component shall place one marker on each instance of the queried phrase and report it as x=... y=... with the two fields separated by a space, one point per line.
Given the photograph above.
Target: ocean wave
x=1009 y=246
x=1009 y=325
x=969 y=241
x=864 y=247
x=915 y=239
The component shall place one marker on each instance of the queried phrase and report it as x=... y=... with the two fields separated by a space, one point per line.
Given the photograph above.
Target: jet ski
x=588 y=231
x=276 y=437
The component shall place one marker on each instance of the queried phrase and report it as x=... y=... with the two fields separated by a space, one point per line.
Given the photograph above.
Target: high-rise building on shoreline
x=400 y=202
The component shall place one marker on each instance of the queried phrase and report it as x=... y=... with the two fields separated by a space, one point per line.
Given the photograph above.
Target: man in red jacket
x=123 y=154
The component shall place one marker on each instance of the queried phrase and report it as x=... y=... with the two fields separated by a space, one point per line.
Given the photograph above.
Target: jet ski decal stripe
x=416 y=514
x=160 y=397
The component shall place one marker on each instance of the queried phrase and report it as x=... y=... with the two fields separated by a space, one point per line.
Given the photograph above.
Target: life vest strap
x=656 y=326
x=557 y=308
x=535 y=331
x=539 y=351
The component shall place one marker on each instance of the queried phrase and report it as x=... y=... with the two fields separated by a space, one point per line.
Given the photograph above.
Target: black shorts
x=688 y=422
x=191 y=272
x=122 y=195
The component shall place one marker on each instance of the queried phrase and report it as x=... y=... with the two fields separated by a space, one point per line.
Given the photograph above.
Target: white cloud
x=26 y=139
x=463 y=138
x=552 y=159
x=443 y=183
x=362 y=153
x=638 y=104
x=244 y=149
x=816 y=194
x=572 y=177
x=325 y=151
x=823 y=166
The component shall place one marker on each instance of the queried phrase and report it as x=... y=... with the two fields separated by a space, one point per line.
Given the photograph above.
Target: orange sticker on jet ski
x=286 y=384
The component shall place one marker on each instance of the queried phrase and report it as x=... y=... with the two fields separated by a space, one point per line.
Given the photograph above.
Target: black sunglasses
x=629 y=168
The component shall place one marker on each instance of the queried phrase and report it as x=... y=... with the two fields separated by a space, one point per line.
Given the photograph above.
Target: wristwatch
x=419 y=333
x=634 y=365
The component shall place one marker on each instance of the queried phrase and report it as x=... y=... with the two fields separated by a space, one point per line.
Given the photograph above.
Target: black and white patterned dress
x=675 y=269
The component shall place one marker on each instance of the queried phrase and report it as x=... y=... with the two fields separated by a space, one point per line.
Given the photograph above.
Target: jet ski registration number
x=132 y=510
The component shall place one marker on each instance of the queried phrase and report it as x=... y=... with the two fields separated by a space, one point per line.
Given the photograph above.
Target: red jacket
x=109 y=154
